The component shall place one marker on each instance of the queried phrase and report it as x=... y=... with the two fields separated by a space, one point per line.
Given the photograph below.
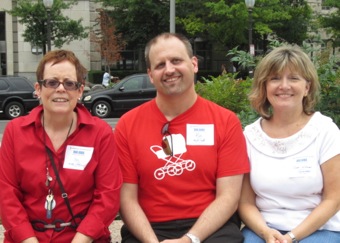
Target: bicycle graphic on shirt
x=174 y=165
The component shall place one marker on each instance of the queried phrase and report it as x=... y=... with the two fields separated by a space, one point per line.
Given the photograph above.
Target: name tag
x=200 y=134
x=302 y=167
x=77 y=157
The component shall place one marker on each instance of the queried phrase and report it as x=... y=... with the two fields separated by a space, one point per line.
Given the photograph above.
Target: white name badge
x=200 y=134
x=302 y=167
x=77 y=157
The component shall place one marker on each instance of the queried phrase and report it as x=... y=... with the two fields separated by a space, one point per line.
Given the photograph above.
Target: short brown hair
x=167 y=35
x=57 y=56
x=275 y=62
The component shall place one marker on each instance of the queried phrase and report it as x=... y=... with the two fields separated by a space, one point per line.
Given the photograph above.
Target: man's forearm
x=213 y=217
x=228 y=190
x=137 y=223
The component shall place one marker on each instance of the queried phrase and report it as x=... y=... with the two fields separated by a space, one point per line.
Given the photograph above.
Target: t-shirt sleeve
x=329 y=141
x=233 y=158
x=124 y=154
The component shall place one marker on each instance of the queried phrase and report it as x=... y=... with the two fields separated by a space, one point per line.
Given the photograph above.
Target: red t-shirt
x=92 y=191
x=208 y=143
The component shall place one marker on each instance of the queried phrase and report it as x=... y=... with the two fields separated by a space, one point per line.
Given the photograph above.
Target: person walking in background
x=106 y=79
x=182 y=157
x=59 y=173
x=292 y=193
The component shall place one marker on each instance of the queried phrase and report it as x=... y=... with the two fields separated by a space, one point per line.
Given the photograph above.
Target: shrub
x=329 y=75
x=229 y=92
x=327 y=65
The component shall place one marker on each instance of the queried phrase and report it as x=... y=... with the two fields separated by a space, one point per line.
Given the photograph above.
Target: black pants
x=229 y=232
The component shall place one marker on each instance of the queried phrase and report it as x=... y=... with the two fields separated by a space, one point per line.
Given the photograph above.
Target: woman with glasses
x=292 y=193
x=59 y=173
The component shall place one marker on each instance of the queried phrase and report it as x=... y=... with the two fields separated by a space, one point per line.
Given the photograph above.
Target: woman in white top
x=292 y=193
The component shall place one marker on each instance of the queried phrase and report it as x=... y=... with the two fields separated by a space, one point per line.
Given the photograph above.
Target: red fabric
x=93 y=192
x=188 y=194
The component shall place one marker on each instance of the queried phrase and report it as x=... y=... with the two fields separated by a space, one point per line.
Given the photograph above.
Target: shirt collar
x=84 y=116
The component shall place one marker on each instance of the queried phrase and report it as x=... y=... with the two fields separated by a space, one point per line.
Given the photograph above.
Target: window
x=133 y=84
x=3 y=85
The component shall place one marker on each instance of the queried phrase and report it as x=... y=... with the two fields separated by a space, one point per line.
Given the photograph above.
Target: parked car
x=128 y=93
x=17 y=96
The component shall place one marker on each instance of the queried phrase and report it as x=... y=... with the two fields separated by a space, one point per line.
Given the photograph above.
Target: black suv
x=17 y=96
x=128 y=93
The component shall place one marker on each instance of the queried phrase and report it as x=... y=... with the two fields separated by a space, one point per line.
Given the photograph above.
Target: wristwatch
x=193 y=238
x=291 y=235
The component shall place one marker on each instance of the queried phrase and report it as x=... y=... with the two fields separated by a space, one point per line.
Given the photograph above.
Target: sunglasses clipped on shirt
x=53 y=84
x=167 y=145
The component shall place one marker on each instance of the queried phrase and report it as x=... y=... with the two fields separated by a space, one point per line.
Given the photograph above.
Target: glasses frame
x=166 y=145
x=77 y=84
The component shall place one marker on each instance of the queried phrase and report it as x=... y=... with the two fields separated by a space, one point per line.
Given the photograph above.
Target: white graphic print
x=174 y=165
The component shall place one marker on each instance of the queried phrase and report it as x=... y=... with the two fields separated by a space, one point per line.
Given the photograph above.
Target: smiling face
x=59 y=100
x=286 y=90
x=172 y=71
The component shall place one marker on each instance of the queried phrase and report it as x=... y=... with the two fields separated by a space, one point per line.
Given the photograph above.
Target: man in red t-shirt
x=182 y=157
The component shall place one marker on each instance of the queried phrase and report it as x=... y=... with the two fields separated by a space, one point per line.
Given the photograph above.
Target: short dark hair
x=57 y=56
x=167 y=35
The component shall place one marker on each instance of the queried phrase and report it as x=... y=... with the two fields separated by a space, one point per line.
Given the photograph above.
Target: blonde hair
x=275 y=62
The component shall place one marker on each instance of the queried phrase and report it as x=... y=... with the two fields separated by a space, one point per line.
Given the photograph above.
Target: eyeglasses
x=167 y=147
x=53 y=84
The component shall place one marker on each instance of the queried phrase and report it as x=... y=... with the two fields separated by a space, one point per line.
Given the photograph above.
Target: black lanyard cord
x=62 y=189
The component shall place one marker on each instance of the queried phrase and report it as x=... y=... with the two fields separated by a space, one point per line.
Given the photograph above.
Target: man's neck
x=173 y=106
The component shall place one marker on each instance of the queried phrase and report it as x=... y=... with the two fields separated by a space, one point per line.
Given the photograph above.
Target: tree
x=139 y=20
x=332 y=22
x=227 y=21
x=34 y=16
x=221 y=21
x=110 y=44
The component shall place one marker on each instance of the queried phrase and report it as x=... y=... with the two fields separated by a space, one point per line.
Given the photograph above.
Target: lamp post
x=250 y=5
x=172 y=16
x=48 y=5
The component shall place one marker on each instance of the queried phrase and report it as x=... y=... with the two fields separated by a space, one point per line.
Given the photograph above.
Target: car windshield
x=113 y=84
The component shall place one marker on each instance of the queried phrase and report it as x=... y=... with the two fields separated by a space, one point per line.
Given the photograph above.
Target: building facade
x=21 y=58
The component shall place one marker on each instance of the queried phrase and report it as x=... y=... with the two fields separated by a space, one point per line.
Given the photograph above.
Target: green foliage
x=220 y=21
x=226 y=91
x=244 y=59
x=138 y=20
x=95 y=76
x=296 y=16
x=329 y=76
x=231 y=93
x=247 y=117
x=332 y=21
x=34 y=16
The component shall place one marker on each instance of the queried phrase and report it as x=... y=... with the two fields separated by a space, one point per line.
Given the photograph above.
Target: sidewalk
x=114 y=229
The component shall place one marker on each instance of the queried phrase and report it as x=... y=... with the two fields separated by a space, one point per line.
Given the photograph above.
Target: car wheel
x=14 y=109
x=101 y=109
